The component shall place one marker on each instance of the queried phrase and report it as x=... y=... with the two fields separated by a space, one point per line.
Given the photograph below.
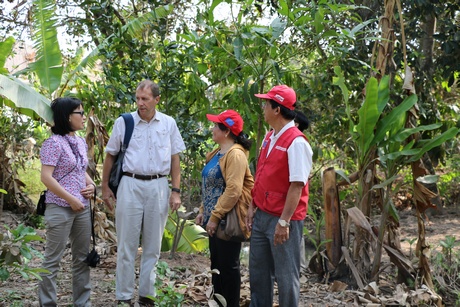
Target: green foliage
x=13 y=297
x=15 y=151
x=48 y=64
x=378 y=132
x=448 y=245
x=449 y=181
x=446 y=265
x=411 y=242
x=319 y=223
x=384 y=129
x=15 y=93
x=36 y=221
x=5 y=50
x=191 y=237
x=30 y=175
x=16 y=253
x=166 y=294
x=368 y=116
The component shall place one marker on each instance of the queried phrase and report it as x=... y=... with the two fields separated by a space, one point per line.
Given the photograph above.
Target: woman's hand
x=199 y=219
x=76 y=204
x=88 y=191
x=211 y=228
x=250 y=217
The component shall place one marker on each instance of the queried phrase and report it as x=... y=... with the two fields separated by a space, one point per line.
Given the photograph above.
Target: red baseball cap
x=282 y=94
x=230 y=118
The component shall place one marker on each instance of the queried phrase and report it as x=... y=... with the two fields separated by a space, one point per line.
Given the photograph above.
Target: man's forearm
x=107 y=167
x=175 y=171
x=292 y=200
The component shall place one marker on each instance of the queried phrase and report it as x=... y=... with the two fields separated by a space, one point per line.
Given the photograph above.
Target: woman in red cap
x=227 y=182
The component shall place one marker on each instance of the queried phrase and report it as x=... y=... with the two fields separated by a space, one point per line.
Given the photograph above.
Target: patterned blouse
x=68 y=155
x=213 y=185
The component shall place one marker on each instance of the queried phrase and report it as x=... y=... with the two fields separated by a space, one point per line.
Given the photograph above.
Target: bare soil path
x=190 y=273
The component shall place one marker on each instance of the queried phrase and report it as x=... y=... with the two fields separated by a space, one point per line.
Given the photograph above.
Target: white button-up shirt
x=151 y=145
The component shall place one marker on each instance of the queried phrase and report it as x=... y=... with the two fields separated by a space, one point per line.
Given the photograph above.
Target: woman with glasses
x=67 y=216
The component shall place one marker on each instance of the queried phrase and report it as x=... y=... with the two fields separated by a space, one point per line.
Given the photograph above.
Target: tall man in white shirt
x=279 y=203
x=143 y=192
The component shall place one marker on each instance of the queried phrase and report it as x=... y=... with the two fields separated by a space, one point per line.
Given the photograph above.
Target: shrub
x=16 y=253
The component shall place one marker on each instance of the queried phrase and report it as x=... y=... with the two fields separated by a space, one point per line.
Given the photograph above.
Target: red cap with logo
x=230 y=118
x=282 y=94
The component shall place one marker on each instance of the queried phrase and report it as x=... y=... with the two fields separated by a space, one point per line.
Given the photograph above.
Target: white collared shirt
x=151 y=146
x=300 y=155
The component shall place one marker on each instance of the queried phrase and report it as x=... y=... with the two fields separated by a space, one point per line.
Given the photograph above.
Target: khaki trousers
x=63 y=224
x=141 y=209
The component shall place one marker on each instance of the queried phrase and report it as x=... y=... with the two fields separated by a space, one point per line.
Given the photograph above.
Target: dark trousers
x=225 y=256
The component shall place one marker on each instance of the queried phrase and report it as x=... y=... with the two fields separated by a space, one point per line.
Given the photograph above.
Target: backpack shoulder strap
x=129 y=124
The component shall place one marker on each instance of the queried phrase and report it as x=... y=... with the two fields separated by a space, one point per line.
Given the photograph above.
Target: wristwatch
x=283 y=223
x=177 y=190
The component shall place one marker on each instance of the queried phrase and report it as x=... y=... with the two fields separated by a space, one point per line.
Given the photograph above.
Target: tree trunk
x=426 y=44
x=361 y=248
x=332 y=209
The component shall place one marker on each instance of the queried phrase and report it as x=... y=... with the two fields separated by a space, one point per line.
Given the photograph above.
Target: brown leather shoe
x=145 y=301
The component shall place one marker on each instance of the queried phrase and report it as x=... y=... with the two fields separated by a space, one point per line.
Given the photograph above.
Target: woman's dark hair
x=285 y=112
x=241 y=139
x=62 y=108
x=301 y=120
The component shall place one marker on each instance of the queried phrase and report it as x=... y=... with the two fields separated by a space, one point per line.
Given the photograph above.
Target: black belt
x=142 y=177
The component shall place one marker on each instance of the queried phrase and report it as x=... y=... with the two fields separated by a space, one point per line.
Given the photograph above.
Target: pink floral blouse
x=68 y=155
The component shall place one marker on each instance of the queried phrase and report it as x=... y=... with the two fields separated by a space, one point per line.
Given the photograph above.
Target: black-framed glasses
x=79 y=112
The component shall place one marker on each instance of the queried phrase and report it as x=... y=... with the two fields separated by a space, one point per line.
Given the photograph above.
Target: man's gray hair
x=152 y=85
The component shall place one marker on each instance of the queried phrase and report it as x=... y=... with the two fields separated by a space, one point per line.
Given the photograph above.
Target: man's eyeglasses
x=79 y=112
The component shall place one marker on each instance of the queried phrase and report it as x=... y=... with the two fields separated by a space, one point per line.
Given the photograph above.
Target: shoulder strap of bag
x=91 y=210
x=129 y=124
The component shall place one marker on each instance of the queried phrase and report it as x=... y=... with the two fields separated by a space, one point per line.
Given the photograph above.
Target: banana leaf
x=404 y=134
x=340 y=82
x=390 y=120
x=368 y=117
x=397 y=154
x=192 y=239
x=48 y=65
x=138 y=25
x=23 y=97
x=435 y=142
x=384 y=93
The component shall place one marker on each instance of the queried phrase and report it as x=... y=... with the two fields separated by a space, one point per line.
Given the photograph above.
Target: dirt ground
x=189 y=274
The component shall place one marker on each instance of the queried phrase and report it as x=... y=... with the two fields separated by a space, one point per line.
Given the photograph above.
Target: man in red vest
x=279 y=205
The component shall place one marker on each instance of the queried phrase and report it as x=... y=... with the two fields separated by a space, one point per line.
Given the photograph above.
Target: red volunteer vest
x=272 y=177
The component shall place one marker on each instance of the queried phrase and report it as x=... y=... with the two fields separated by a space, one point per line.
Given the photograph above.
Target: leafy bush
x=449 y=182
x=30 y=176
x=166 y=293
x=446 y=271
x=16 y=253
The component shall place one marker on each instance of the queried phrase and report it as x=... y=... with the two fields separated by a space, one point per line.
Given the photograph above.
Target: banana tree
x=382 y=139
